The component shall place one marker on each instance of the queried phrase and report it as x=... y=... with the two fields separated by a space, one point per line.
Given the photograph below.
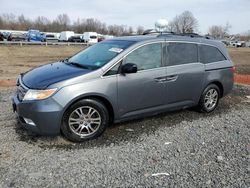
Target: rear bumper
x=45 y=114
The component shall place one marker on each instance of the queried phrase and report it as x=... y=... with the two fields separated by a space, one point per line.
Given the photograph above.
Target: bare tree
x=9 y=21
x=218 y=31
x=130 y=30
x=103 y=29
x=42 y=23
x=61 y=23
x=23 y=23
x=1 y=23
x=184 y=23
x=171 y=27
x=245 y=36
x=9 y=18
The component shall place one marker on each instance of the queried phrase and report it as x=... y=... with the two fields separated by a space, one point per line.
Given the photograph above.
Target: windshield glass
x=99 y=54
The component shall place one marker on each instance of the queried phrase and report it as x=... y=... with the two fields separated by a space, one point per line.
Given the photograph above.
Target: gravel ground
x=189 y=148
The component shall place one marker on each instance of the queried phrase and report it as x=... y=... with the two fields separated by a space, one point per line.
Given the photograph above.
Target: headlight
x=38 y=94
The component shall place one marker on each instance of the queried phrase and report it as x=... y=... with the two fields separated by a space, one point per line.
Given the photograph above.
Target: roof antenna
x=161 y=25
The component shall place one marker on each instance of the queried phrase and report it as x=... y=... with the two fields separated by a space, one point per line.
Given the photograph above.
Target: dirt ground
x=15 y=59
x=241 y=59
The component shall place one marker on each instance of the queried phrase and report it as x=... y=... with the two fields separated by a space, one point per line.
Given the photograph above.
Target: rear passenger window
x=209 y=54
x=182 y=53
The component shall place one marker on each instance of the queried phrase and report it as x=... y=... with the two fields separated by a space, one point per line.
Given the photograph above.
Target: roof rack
x=192 y=35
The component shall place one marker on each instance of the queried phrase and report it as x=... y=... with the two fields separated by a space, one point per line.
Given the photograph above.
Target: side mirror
x=129 y=68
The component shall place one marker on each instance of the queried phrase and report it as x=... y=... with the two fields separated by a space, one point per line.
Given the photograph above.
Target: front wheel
x=86 y=119
x=209 y=99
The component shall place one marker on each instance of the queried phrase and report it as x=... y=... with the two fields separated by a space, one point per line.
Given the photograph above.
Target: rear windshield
x=101 y=53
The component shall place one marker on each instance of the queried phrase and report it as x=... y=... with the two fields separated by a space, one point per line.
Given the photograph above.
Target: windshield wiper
x=78 y=65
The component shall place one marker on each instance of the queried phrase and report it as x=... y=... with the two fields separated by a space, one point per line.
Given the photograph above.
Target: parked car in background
x=100 y=39
x=1 y=37
x=15 y=36
x=90 y=37
x=34 y=36
x=65 y=35
x=6 y=35
x=235 y=44
x=122 y=79
x=50 y=38
x=76 y=38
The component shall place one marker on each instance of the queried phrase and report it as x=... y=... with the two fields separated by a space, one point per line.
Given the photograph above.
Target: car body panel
x=185 y=83
x=140 y=91
x=105 y=88
x=43 y=76
x=46 y=114
x=132 y=95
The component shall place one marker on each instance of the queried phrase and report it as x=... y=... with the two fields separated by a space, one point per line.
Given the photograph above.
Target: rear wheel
x=209 y=99
x=86 y=119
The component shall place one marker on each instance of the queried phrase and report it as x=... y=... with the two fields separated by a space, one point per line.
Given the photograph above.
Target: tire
x=207 y=102
x=79 y=125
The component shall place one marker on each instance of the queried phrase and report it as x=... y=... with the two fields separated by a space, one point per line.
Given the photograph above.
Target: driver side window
x=146 y=57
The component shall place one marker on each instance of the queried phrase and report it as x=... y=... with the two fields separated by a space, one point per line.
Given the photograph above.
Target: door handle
x=166 y=78
x=161 y=79
x=172 y=78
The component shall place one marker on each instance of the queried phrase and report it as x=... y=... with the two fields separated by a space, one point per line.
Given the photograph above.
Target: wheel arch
x=100 y=98
x=220 y=86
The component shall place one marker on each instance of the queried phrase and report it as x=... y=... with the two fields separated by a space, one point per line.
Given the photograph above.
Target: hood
x=43 y=76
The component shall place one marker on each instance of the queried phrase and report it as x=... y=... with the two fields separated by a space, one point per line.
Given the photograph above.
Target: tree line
x=182 y=23
x=63 y=23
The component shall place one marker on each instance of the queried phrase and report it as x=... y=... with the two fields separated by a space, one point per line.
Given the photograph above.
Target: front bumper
x=46 y=115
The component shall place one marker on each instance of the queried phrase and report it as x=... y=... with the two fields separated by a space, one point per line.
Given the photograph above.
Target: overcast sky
x=138 y=12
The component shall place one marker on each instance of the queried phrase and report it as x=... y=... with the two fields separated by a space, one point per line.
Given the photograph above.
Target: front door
x=144 y=90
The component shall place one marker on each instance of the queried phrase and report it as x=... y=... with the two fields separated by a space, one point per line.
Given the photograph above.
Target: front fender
x=107 y=89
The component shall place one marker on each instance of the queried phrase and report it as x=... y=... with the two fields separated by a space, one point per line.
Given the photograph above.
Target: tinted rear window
x=209 y=54
x=182 y=53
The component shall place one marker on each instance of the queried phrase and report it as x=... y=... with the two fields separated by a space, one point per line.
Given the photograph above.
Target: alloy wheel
x=211 y=98
x=84 y=121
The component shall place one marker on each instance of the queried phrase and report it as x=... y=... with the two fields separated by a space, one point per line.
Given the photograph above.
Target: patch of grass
x=15 y=59
x=241 y=59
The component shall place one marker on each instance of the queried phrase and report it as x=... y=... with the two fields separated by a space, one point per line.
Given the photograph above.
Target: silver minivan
x=122 y=79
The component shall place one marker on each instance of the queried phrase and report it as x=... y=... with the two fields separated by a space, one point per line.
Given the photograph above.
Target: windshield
x=99 y=54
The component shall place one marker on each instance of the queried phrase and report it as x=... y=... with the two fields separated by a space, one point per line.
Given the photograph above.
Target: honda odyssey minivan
x=122 y=79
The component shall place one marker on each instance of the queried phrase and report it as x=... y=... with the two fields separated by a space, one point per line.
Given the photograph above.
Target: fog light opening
x=29 y=121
